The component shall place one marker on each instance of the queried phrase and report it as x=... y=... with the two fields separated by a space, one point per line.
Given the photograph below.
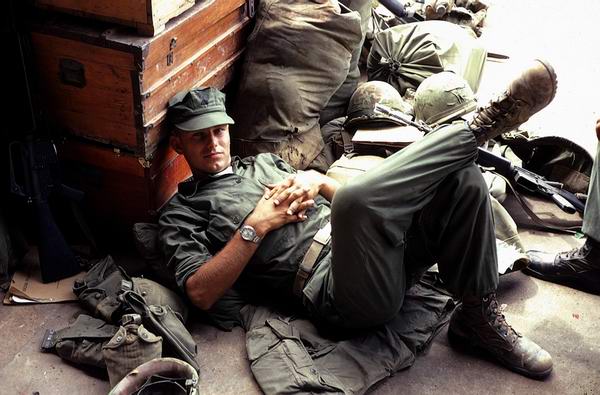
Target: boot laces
x=498 y=321
x=493 y=113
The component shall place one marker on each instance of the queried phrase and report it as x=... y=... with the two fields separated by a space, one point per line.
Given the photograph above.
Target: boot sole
x=581 y=284
x=550 y=71
x=467 y=344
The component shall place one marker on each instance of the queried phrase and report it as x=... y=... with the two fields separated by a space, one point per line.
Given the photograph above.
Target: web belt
x=319 y=241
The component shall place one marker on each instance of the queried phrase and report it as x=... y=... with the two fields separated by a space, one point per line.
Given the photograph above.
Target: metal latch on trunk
x=172 y=46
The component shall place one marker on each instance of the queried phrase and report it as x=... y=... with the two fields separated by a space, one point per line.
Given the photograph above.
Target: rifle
x=523 y=178
x=37 y=162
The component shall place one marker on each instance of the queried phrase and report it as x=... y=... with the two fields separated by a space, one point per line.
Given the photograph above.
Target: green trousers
x=426 y=204
x=591 y=218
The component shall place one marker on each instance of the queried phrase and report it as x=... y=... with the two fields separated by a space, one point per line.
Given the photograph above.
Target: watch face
x=248 y=233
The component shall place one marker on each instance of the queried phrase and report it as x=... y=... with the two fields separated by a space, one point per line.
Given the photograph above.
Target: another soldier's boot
x=480 y=324
x=527 y=94
x=578 y=268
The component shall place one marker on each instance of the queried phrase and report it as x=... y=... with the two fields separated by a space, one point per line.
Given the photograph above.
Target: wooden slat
x=104 y=158
x=82 y=51
x=192 y=31
x=223 y=47
x=161 y=11
x=157 y=130
x=107 y=132
x=129 y=11
x=148 y=16
x=104 y=107
x=120 y=184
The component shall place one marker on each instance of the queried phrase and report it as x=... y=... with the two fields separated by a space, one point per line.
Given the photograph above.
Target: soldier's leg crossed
x=456 y=231
x=370 y=217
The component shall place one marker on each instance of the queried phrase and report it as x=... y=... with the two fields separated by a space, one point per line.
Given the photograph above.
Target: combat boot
x=479 y=324
x=578 y=268
x=533 y=90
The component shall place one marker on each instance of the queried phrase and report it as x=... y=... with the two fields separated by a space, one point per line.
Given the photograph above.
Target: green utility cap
x=199 y=108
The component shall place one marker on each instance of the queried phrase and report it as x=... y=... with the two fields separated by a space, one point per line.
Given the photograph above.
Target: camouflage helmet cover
x=442 y=98
x=361 y=109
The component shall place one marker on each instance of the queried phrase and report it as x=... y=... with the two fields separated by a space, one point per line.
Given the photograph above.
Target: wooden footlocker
x=147 y=16
x=112 y=86
x=120 y=188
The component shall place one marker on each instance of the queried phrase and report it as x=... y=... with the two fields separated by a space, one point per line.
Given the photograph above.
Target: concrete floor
x=564 y=321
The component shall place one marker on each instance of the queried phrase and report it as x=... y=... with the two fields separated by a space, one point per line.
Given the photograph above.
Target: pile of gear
x=422 y=59
x=136 y=332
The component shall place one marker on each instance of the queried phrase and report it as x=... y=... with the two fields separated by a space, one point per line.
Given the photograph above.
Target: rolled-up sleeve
x=183 y=240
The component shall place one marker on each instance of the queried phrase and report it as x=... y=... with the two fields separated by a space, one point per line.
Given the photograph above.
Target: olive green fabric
x=290 y=355
x=146 y=242
x=164 y=322
x=337 y=140
x=591 y=219
x=426 y=203
x=82 y=341
x=337 y=105
x=99 y=288
x=350 y=166
x=199 y=108
x=130 y=347
x=405 y=55
x=442 y=98
x=156 y=294
x=557 y=159
x=99 y=291
x=203 y=216
x=297 y=57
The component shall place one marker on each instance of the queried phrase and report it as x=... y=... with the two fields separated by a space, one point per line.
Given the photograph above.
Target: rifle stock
x=57 y=260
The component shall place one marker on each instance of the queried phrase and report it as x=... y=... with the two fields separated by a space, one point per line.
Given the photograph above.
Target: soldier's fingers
x=284 y=195
x=301 y=192
x=302 y=207
x=293 y=206
x=302 y=215
x=274 y=189
x=277 y=188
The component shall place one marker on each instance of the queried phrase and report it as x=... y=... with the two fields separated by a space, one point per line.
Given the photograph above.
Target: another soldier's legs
x=591 y=220
x=580 y=267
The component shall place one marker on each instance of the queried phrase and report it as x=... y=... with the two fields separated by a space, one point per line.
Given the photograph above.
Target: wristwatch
x=249 y=234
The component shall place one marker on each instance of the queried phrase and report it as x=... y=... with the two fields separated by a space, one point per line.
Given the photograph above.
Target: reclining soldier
x=258 y=225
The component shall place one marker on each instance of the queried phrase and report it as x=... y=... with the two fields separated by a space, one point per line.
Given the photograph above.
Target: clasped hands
x=285 y=202
x=297 y=193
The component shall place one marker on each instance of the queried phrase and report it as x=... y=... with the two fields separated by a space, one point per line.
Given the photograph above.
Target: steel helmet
x=361 y=109
x=443 y=97
x=159 y=376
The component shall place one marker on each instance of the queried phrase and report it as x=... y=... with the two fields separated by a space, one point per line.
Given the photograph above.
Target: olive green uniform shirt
x=203 y=216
